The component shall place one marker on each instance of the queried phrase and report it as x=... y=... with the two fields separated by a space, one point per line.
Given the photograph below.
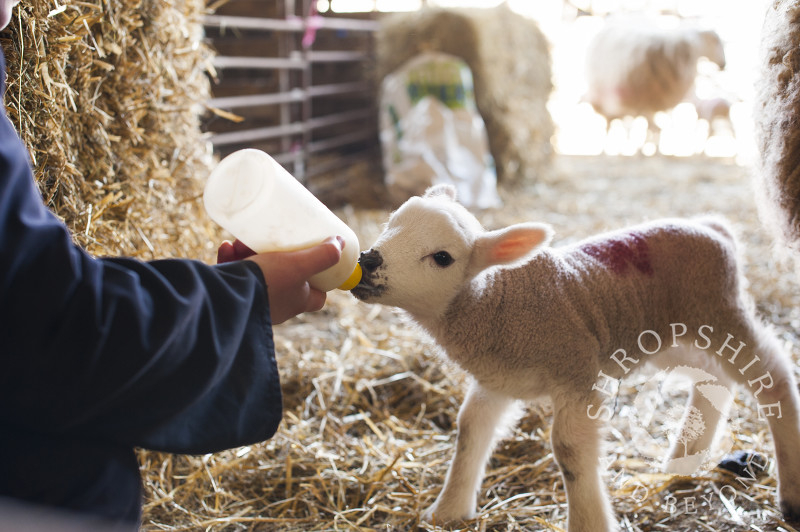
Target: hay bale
x=106 y=96
x=510 y=61
x=777 y=120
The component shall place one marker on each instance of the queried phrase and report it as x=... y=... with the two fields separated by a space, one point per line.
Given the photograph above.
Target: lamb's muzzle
x=370 y=261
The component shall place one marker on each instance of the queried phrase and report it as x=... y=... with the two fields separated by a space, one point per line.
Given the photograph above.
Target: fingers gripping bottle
x=257 y=201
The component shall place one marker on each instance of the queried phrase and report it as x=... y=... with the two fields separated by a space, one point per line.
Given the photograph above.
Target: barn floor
x=370 y=409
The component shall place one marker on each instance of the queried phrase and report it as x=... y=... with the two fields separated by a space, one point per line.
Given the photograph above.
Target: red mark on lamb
x=619 y=253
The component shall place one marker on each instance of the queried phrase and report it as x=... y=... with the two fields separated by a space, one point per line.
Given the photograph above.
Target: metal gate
x=293 y=83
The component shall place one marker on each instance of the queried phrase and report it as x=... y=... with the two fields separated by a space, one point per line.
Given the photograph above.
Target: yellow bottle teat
x=353 y=280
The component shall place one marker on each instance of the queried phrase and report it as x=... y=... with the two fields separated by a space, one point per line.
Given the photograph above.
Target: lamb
x=716 y=112
x=526 y=320
x=636 y=68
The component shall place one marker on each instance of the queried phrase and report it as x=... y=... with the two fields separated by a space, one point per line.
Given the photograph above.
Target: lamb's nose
x=370 y=260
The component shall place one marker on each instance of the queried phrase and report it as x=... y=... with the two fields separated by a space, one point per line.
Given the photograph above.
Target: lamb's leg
x=481 y=420
x=765 y=371
x=687 y=458
x=576 y=446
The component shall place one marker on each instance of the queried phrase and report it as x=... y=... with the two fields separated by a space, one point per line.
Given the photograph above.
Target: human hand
x=287 y=274
x=230 y=251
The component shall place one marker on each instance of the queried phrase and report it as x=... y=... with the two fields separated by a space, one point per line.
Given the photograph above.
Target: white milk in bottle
x=260 y=203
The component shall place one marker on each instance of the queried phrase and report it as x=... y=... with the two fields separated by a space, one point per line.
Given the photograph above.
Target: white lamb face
x=431 y=247
x=422 y=256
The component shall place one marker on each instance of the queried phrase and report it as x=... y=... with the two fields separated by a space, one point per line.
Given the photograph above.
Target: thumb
x=315 y=259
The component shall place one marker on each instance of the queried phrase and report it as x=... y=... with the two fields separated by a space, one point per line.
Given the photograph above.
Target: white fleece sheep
x=777 y=121
x=527 y=320
x=636 y=68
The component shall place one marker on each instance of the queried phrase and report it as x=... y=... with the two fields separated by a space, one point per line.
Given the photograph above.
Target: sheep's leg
x=653 y=134
x=688 y=454
x=686 y=457
x=576 y=446
x=481 y=420
x=766 y=372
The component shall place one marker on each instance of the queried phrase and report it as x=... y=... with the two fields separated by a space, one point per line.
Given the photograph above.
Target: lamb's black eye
x=443 y=258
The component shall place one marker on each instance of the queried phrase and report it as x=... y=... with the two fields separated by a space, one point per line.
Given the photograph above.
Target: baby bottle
x=261 y=204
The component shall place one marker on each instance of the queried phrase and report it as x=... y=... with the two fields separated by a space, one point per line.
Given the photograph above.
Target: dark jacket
x=98 y=356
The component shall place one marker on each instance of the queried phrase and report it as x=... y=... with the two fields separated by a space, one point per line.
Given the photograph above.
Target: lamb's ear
x=509 y=245
x=441 y=190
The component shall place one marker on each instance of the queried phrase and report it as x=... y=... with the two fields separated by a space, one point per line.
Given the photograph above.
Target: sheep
x=636 y=68
x=526 y=320
x=716 y=112
x=777 y=122
x=711 y=109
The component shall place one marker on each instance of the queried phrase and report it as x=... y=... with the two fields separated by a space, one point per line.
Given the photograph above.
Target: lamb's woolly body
x=777 y=120
x=635 y=68
x=552 y=322
x=566 y=300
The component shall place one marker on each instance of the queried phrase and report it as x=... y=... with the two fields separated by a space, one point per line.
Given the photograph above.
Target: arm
x=173 y=355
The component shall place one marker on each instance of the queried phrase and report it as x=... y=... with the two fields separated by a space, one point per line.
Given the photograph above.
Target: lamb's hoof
x=685 y=465
x=791 y=512
x=443 y=516
x=748 y=464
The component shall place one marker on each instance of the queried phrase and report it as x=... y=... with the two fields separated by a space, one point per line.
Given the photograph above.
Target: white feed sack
x=432 y=133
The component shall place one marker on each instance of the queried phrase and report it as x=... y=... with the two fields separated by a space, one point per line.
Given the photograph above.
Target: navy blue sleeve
x=171 y=355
